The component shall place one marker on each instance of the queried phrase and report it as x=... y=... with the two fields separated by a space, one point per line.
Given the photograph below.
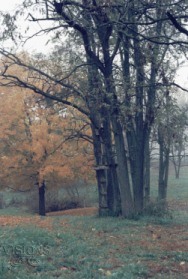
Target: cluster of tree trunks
x=122 y=112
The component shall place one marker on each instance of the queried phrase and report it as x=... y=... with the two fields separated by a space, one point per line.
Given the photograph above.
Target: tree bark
x=103 y=148
x=101 y=175
x=147 y=172
x=164 y=152
x=127 y=206
x=42 y=210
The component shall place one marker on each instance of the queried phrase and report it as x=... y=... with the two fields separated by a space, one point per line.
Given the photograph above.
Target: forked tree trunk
x=127 y=206
x=177 y=161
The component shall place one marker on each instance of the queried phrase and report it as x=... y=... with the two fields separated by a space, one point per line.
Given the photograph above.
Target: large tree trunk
x=123 y=172
x=107 y=180
x=102 y=190
x=42 y=210
x=114 y=199
x=127 y=207
x=164 y=152
x=106 y=172
x=116 y=180
x=136 y=158
x=101 y=174
x=147 y=171
x=163 y=174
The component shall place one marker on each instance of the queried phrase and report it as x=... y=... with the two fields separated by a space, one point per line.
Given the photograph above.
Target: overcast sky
x=9 y=5
x=36 y=44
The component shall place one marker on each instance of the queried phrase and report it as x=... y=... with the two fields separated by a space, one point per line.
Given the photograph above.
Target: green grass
x=24 y=250
x=99 y=248
x=88 y=248
x=177 y=188
x=73 y=253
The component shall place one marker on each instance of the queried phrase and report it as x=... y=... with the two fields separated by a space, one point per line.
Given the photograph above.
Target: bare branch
x=179 y=86
x=177 y=24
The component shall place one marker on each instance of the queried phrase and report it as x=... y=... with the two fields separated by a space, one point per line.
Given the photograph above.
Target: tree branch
x=177 y=24
x=85 y=37
x=15 y=81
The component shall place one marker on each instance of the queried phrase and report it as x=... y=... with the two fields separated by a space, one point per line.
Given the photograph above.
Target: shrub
x=31 y=201
x=54 y=201
x=69 y=197
x=157 y=209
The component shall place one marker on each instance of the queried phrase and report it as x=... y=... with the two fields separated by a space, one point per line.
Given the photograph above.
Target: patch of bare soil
x=86 y=211
x=44 y=222
x=36 y=221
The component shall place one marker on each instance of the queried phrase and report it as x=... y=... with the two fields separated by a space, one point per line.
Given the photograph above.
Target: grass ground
x=72 y=245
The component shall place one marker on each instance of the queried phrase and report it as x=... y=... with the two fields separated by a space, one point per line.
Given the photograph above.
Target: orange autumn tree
x=39 y=141
x=11 y=126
